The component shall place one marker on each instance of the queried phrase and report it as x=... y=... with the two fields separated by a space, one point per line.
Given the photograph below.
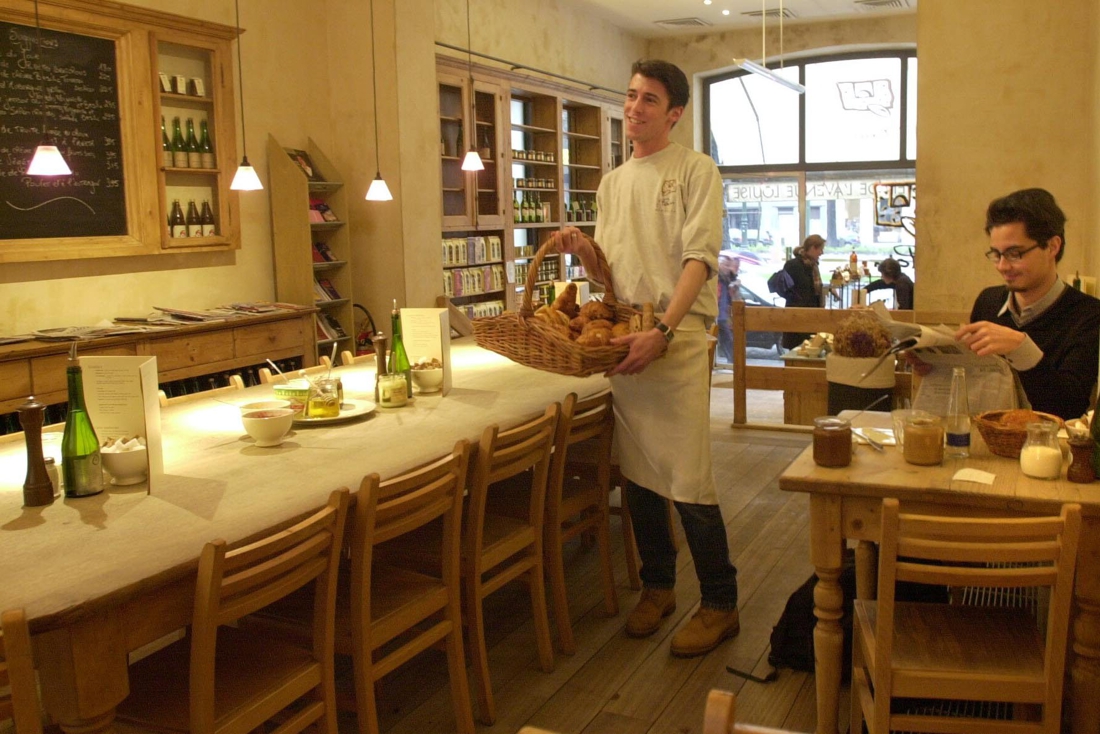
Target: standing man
x=1048 y=331
x=806 y=291
x=892 y=277
x=660 y=226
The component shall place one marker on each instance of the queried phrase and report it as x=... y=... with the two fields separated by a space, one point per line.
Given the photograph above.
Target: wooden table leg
x=826 y=546
x=1084 y=704
x=83 y=672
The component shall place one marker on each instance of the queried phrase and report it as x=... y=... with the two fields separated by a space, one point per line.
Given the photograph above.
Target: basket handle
x=527 y=307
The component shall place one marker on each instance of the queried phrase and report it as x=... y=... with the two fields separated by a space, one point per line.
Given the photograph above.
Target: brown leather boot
x=655 y=605
x=705 y=630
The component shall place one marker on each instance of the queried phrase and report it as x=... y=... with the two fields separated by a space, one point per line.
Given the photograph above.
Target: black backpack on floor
x=792 y=640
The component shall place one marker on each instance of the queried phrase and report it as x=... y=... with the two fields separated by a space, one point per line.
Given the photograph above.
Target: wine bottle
x=209 y=229
x=206 y=150
x=399 y=360
x=539 y=212
x=194 y=155
x=958 y=417
x=177 y=225
x=179 y=147
x=166 y=143
x=194 y=224
x=575 y=206
x=517 y=212
x=81 y=463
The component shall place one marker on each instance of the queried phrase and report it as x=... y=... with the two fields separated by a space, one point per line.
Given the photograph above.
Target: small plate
x=349 y=410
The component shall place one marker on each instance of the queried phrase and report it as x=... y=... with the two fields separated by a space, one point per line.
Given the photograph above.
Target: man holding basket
x=660 y=226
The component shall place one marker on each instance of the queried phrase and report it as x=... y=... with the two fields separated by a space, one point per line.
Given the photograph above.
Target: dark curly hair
x=1036 y=210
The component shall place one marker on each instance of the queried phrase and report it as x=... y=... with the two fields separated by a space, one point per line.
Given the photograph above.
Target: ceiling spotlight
x=725 y=12
x=707 y=2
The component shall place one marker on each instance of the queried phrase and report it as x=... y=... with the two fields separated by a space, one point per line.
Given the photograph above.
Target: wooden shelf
x=473 y=265
x=580 y=136
x=331 y=303
x=192 y=171
x=172 y=97
x=522 y=162
x=533 y=129
x=330 y=265
x=583 y=166
x=323 y=226
x=321 y=187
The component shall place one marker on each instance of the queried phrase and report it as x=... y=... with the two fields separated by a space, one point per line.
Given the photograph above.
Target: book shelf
x=311 y=239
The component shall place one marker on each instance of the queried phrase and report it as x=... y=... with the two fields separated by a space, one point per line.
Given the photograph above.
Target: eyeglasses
x=1012 y=254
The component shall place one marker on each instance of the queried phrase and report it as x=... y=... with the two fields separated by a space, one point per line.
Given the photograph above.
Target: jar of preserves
x=832 y=441
x=923 y=439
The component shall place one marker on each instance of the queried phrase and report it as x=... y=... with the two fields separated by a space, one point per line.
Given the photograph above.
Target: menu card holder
x=427 y=333
x=122 y=400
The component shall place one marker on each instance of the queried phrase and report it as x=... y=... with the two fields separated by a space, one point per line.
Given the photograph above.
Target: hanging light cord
x=469 y=46
x=240 y=77
x=41 y=89
x=374 y=73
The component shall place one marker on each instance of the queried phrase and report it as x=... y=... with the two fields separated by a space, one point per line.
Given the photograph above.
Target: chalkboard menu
x=73 y=79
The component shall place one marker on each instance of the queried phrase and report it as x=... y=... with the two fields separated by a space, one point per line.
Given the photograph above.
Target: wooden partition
x=805 y=390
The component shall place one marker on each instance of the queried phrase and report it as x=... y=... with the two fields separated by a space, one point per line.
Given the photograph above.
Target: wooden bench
x=805 y=390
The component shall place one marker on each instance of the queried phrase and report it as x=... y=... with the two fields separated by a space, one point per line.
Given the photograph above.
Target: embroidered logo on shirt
x=669 y=189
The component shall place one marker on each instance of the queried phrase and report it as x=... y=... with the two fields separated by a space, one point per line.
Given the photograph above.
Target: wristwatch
x=667 y=332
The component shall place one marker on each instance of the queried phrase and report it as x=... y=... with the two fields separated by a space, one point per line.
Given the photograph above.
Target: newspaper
x=991 y=383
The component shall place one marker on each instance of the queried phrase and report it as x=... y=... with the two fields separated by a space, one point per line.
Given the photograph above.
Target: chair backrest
x=721 y=714
x=504 y=454
x=232 y=584
x=18 y=689
x=235 y=383
x=591 y=419
x=324 y=365
x=347 y=357
x=980 y=552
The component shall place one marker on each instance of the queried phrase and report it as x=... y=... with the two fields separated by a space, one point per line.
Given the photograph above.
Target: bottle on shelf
x=399 y=360
x=194 y=223
x=576 y=215
x=206 y=220
x=179 y=146
x=177 y=225
x=194 y=155
x=517 y=212
x=206 y=150
x=546 y=216
x=81 y=463
x=485 y=146
x=166 y=143
x=958 y=417
x=539 y=210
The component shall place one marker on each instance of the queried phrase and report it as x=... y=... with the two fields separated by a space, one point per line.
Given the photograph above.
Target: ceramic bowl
x=126 y=467
x=265 y=405
x=296 y=392
x=429 y=380
x=268 y=427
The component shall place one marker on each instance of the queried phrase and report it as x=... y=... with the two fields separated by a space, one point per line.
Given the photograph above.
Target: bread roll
x=621 y=329
x=598 y=310
x=595 y=338
x=597 y=324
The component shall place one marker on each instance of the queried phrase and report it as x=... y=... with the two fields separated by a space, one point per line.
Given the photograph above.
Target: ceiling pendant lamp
x=245 y=179
x=472 y=161
x=760 y=69
x=47 y=159
x=378 y=190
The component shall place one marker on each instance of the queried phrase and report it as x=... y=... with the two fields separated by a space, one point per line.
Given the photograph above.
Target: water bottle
x=958 y=417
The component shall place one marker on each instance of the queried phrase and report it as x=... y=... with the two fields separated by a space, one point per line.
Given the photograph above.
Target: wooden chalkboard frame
x=135 y=32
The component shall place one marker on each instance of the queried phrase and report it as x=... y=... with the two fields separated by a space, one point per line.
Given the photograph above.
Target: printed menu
x=427 y=334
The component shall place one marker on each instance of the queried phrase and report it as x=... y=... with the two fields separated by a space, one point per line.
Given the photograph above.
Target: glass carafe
x=1041 y=456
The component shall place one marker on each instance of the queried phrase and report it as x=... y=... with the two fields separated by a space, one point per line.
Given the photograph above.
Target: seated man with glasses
x=1048 y=332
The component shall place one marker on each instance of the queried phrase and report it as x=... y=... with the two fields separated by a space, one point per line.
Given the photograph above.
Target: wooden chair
x=577 y=502
x=955 y=653
x=267 y=377
x=348 y=357
x=234 y=680
x=18 y=687
x=720 y=717
x=235 y=383
x=388 y=602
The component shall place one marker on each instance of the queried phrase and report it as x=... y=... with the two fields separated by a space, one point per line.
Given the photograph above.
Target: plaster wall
x=1008 y=100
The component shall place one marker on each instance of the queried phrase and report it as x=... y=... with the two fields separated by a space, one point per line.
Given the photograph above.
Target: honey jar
x=832 y=441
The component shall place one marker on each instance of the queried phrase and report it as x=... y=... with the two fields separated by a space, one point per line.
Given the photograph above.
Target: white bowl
x=265 y=405
x=268 y=427
x=126 y=467
x=429 y=380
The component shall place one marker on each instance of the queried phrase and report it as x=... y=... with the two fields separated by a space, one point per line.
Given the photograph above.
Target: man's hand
x=985 y=338
x=919 y=366
x=645 y=346
x=571 y=241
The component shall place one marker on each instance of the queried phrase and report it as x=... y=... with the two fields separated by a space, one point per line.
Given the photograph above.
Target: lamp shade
x=48 y=161
x=246 y=178
x=472 y=161
x=378 y=190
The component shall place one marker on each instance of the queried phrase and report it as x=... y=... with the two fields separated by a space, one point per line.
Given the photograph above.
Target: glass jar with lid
x=832 y=442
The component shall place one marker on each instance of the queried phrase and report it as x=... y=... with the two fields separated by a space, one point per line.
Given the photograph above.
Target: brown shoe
x=655 y=605
x=705 y=630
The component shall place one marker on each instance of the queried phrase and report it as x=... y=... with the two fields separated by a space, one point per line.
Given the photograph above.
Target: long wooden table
x=846 y=504
x=104 y=575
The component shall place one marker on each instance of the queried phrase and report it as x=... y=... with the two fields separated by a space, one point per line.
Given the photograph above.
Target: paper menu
x=427 y=333
x=121 y=394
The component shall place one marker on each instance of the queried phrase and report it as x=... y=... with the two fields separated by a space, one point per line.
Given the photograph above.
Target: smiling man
x=1049 y=332
x=660 y=225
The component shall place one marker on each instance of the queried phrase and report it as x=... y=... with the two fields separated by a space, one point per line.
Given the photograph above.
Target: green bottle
x=166 y=144
x=194 y=154
x=399 y=360
x=205 y=148
x=179 y=147
x=81 y=464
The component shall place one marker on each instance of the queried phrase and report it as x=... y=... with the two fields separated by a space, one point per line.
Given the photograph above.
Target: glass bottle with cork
x=194 y=223
x=166 y=143
x=399 y=360
x=177 y=225
x=194 y=154
x=206 y=150
x=179 y=145
x=81 y=462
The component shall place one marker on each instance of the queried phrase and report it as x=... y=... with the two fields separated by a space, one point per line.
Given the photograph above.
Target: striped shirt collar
x=1024 y=316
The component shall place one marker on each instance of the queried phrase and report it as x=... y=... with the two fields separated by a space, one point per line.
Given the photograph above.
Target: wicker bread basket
x=522 y=338
x=1006 y=440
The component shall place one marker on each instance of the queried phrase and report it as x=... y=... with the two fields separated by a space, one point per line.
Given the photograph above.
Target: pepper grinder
x=379 y=341
x=1080 y=469
x=37 y=487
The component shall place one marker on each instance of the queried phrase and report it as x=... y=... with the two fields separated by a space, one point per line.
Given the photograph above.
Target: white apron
x=662 y=420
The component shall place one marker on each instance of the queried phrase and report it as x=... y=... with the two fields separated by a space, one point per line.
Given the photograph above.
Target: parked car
x=761 y=339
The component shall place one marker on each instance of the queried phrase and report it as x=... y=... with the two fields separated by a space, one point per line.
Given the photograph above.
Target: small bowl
x=268 y=427
x=265 y=405
x=429 y=380
x=126 y=467
x=296 y=392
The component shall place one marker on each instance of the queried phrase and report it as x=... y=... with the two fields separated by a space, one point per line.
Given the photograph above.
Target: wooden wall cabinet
x=312 y=248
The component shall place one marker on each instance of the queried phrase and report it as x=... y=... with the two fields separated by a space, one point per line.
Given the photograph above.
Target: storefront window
x=853 y=111
x=754 y=121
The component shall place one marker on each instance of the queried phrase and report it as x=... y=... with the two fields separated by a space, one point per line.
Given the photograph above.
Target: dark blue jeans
x=706 y=537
